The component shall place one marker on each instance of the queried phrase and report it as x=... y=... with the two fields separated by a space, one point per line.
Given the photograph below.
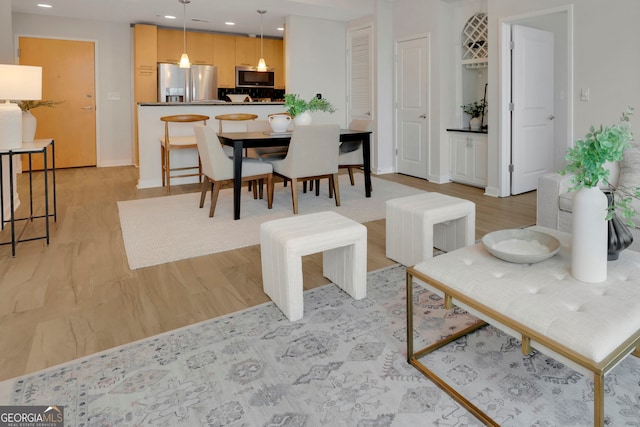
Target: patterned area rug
x=344 y=364
x=170 y=228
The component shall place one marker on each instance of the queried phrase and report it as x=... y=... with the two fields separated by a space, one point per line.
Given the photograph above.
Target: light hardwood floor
x=77 y=296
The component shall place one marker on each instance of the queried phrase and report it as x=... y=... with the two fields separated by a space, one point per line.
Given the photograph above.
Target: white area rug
x=171 y=228
x=342 y=365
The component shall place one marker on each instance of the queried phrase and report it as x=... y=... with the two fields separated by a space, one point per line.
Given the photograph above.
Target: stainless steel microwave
x=251 y=77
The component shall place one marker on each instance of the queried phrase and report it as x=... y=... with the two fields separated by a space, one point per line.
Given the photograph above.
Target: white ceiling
x=209 y=15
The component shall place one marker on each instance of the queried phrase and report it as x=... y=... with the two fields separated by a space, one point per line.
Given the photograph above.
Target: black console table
x=39 y=146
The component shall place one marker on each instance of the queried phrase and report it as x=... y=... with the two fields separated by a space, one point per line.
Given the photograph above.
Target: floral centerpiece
x=297 y=107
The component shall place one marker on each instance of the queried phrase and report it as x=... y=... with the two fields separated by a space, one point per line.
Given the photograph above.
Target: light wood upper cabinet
x=224 y=57
x=200 y=47
x=153 y=45
x=170 y=45
x=274 y=57
x=247 y=51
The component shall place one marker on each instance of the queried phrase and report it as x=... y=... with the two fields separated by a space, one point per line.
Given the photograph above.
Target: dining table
x=239 y=141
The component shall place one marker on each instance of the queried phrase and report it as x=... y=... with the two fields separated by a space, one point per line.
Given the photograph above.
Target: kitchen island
x=151 y=129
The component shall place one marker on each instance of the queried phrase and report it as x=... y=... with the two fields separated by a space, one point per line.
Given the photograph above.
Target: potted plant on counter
x=299 y=109
x=29 y=121
x=476 y=111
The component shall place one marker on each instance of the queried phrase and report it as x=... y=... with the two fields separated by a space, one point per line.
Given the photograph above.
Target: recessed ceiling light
x=229 y=23
x=169 y=17
x=44 y=5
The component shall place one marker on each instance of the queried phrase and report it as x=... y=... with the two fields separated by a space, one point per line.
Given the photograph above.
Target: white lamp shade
x=20 y=82
x=184 y=61
x=262 y=65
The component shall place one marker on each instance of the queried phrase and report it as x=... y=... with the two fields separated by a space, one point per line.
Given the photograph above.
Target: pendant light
x=184 y=59
x=262 y=66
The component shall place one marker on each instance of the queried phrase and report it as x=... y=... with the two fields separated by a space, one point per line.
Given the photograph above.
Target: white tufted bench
x=418 y=223
x=588 y=327
x=283 y=242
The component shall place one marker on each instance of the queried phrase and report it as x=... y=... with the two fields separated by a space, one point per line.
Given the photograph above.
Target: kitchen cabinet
x=200 y=47
x=274 y=57
x=468 y=158
x=170 y=45
x=247 y=51
x=145 y=74
x=224 y=57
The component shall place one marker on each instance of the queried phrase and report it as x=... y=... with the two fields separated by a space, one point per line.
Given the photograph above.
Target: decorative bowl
x=237 y=97
x=521 y=246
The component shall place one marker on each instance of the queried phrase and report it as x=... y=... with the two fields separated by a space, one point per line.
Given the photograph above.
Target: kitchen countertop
x=200 y=103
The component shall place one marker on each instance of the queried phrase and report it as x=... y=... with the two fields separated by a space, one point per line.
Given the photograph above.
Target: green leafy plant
x=295 y=105
x=30 y=105
x=587 y=159
x=475 y=109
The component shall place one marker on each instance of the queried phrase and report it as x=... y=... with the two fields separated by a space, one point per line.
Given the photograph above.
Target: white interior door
x=532 y=114
x=360 y=74
x=412 y=107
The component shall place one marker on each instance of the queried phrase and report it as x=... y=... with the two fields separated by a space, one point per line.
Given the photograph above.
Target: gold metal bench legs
x=412 y=358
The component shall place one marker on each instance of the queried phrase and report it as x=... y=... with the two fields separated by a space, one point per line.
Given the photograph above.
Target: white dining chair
x=312 y=155
x=217 y=168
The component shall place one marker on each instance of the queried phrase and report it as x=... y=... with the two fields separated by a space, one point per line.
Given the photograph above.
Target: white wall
x=316 y=63
x=114 y=70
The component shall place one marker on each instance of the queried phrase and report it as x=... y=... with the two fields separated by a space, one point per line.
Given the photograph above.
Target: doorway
x=412 y=106
x=558 y=22
x=68 y=75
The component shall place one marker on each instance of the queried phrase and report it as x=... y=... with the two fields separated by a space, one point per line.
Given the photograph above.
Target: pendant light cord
x=184 y=27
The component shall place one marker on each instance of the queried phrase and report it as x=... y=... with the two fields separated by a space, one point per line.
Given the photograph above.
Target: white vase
x=29 y=123
x=475 y=123
x=302 y=119
x=279 y=122
x=589 y=238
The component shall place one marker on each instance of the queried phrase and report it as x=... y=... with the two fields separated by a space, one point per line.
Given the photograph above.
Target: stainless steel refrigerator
x=198 y=83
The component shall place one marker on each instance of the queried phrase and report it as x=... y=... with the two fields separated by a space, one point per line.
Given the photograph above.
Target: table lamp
x=17 y=83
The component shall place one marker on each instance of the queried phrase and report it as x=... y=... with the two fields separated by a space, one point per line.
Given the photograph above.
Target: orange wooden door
x=68 y=74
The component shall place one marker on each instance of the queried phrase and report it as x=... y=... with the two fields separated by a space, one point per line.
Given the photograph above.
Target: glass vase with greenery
x=475 y=109
x=588 y=157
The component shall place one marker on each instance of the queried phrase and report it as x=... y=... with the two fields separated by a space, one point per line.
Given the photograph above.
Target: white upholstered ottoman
x=283 y=243
x=416 y=224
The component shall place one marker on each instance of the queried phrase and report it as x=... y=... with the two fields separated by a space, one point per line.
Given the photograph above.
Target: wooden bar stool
x=234 y=117
x=180 y=142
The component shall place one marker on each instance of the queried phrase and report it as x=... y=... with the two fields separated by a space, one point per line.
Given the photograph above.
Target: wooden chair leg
x=350 y=169
x=317 y=187
x=260 y=189
x=336 y=187
x=294 y=195
x=331 y=187
x=168 y=169
x=164 y=164
x=203 y=192
x=269 y=191
x=215 y=189
x=255 y=189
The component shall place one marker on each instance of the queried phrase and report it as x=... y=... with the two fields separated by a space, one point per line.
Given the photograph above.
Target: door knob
x=423 y=116
x=551 y=117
